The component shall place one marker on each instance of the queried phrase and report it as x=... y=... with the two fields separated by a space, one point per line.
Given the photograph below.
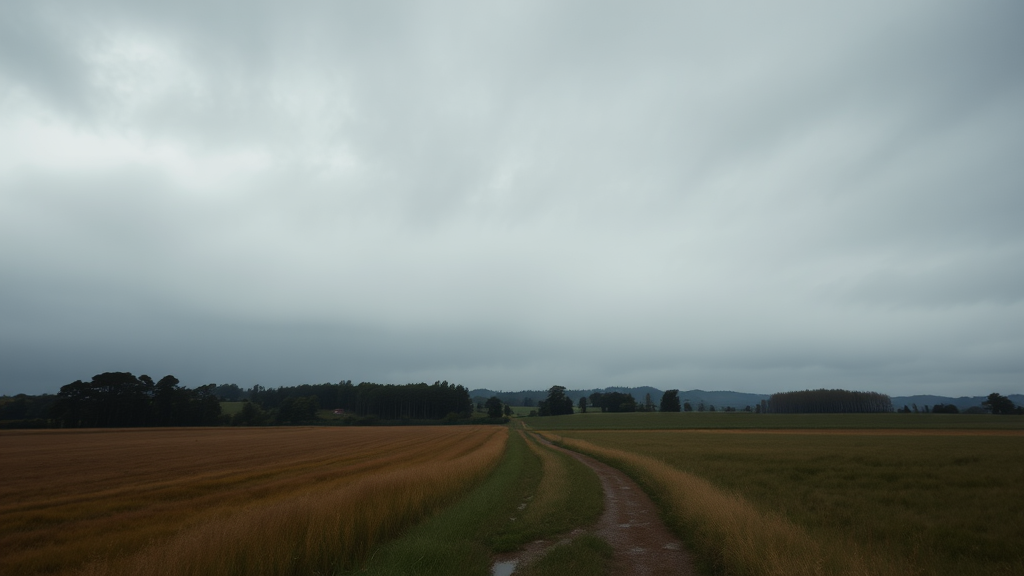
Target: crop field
x=873 y=501
x=745 y=420
x=226 y=500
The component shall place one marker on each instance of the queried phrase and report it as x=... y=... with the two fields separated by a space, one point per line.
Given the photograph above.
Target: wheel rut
x=643 y=545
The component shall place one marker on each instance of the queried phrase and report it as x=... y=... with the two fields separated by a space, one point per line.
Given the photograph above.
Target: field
x=744 y=420
x=935 y=500
x=752 y=494
x=221 y=501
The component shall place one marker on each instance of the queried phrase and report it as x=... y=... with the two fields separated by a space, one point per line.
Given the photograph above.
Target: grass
x=534 y=493
x=744 y=420
x=833 y=501
x=231 y=408
x=587 y=555
x=226 y=501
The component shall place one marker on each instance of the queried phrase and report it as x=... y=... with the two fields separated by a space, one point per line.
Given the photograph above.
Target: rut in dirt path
x=630 y=523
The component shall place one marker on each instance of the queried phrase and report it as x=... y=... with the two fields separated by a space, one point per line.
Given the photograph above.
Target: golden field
x=225 y=500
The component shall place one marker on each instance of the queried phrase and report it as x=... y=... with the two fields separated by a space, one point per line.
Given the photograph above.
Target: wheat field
x=225 y=501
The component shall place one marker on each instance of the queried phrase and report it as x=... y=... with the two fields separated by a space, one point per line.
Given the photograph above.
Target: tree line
x=826 y=401
x=119 y=399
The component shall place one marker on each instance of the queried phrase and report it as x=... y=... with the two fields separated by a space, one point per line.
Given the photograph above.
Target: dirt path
x=630 y=523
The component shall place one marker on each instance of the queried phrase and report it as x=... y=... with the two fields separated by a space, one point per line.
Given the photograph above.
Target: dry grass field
x=225 y=500
x=833 y=501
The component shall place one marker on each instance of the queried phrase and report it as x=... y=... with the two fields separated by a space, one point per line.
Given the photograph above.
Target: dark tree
x=508 y=411
x=687 y=407
x=115 y=399
x=583 y=404
x=557 y=403
x=597 y=401
x=528 y=402
x=301 y=409
x=945 y=409
x=998 y=404
x=493 y=406
x=670 y=401
x=251 y=415
x=827 y=401
x=618 y=402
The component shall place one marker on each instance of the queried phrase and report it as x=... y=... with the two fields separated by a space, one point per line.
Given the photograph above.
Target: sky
x=747 y=196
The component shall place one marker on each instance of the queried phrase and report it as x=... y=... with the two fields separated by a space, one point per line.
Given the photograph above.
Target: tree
x=687 y=407
x=508 y=411
x=583 y=404
x=618 y=402
x=493 y=406
x=827 y=401
x=597 y=401
x=998 y=404
x=670 y=401
x=557 y=403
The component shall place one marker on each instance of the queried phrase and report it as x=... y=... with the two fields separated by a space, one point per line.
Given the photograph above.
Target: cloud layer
x=514 y=195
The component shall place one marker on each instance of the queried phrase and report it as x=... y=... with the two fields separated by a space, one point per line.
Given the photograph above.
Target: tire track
x=631 y=524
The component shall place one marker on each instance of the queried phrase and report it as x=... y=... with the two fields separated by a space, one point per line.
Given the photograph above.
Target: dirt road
x=630 y=523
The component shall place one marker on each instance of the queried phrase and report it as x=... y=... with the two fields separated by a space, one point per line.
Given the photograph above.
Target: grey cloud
x=513 y=195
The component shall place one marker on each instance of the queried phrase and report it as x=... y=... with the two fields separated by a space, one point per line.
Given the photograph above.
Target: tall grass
x=309 y=501
x=728 y=533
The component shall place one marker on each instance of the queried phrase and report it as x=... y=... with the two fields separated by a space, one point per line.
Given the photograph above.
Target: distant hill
x=963 y=402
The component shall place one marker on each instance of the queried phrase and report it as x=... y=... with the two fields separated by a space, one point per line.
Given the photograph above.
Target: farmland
x=830 y=501
x=594 y=420
x=219 y=501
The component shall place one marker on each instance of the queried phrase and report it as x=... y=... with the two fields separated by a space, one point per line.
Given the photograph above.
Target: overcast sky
x=758 y=197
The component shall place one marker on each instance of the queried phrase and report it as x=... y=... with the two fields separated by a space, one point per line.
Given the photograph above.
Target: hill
x=962 y=402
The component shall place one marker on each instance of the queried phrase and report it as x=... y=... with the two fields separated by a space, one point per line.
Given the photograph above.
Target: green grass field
x=932 y=501
x=231 y=408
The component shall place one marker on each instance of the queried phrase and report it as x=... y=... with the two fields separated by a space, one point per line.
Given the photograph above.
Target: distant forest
x=387 y=401
x=120 y=399
x=826 y=401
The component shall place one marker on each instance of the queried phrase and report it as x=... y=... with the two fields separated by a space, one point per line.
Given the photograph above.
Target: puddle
x=503 y=568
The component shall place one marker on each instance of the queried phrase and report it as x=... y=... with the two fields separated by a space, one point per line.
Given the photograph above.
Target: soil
x=630 y=523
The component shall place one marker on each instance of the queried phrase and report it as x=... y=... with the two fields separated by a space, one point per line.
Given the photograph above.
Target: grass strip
x=558 y=492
